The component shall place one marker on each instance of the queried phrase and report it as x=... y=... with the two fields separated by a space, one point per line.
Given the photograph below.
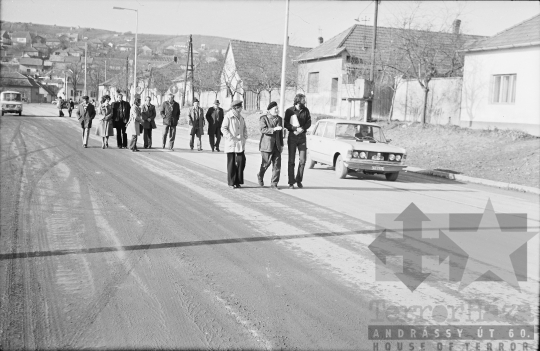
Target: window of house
x=313 y=82
x=503 y=88
x=93 y=94
x=79 y=92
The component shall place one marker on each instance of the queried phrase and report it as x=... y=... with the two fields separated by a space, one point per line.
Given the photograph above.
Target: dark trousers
x=271 y=158
x=214 y=136
x=236 y=162
x=121 y=136
x=133 y=142
x=293 y=144
x=69 y=111
x=60 y=113
x=147 y=137
x=197 y=135
x=169 y=131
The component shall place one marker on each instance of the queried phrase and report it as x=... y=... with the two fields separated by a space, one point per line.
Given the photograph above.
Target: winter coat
x=105 y=126
x=196 y=120
x=170 y=113
x=269 y=137
x=60 y=104
x=121 y=108
x=234 y=132
x=134 y=122
x=214 y=118
x=148 y=112
x=86 y=115
x=304 y=120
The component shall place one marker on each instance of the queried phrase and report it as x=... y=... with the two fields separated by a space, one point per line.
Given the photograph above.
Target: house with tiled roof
x=250 y=65
x=501 y=80
x=52 y=42
x=5 y=39
x=42 y=48
x=30 y=51
x=21 y=83
x=30 y=65
x=334 y=74
x=21 y=38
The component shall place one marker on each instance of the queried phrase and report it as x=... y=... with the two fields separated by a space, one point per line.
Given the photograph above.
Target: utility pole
x=85 y=67
x=189 y=56
x=284 y=60
x=127 y=78
x=105 y=69
x=369 y=109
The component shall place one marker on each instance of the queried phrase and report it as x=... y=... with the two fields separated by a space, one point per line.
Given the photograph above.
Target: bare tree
x=76 y=74
x=232 y=82
x=161 y=82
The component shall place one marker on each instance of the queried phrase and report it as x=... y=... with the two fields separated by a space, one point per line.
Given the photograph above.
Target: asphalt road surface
x=114 y=249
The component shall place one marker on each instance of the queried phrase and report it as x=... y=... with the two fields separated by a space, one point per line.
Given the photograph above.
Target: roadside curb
x=463 y=178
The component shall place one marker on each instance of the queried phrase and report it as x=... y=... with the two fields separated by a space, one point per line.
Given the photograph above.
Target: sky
x=264 y=20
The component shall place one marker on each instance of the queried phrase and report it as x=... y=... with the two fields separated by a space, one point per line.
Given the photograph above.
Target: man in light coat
x=214 y=117
x=134 y=122
x=85 y=115
x=235 y=134
x=170 y=111
x=196 y=120
x=148 y=112
x=271 y=144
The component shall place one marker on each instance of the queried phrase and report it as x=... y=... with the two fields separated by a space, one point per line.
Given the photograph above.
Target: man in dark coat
x=271 y=144
x=71 y=106
x=214 y=116
x=60 y=106
x=297 y=121
x=170 y=111
x=121 y=111
x=148 y=112
x=196 y=120
x=86 y=114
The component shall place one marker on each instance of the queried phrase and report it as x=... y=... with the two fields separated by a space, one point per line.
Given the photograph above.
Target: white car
x=12 y=102
x=353 y=145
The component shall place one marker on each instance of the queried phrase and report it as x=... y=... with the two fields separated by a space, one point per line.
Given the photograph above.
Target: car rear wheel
x=20 y=113
x=341 y=170
x=310 y=163
x=391 y=176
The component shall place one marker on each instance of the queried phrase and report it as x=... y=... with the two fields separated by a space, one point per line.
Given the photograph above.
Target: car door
x=314 y=145
x=327 y=149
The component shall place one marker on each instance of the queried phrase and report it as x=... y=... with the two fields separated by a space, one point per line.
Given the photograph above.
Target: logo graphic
x=485 y=246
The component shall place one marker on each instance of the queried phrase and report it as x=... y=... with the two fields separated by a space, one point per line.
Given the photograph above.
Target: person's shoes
x=103 y=146
x=137 y=150
x=232 y=186
x=217 y=149
x=212 y=150
x=260 y=180
x=274 y=186
x=191 y=148
x=146 y=147
x=299 y=185
x=149 y=147
x=164 y=146
x=107 y=145
x=237 y=186
x=291 y=186
x=199 y=149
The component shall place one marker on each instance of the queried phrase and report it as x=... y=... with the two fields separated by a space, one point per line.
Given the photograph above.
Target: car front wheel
x=391 y=176
x=341 y=169
x=310 y=163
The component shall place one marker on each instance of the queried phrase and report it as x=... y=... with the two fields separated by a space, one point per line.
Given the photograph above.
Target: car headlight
x=392 y=157
x=355 y=154
x=363 y=155
x=398 y=157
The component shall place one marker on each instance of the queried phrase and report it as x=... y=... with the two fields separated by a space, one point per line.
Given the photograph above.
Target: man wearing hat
x=235 y=134
x=196 y=120
x=271 y=144
x=85 y=115
x=214 y=116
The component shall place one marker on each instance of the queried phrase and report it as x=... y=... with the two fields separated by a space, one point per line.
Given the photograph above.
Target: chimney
x=321 y=40
x=455 y=26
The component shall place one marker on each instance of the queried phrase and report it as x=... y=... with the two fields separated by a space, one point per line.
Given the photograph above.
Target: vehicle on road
x=354 y=146
x=12 y=102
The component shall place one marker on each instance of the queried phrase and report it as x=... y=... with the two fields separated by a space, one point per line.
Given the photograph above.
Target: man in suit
x=170 y=111
x=196 y=120
x=71 y=106
x=60 y=103
x=271 y=144
x=214 y=116
x=86 y=114
x=148 y=114
x=121 y=111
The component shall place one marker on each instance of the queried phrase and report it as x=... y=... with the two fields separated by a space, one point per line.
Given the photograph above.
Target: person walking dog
x=148 y=115
x=170 y=111
x=134 y=122
x=85 y=114
x=196 y=121
x=214 y=117
x=235 y=134
x=271 y=144
x=297 y=121
x=105 y=127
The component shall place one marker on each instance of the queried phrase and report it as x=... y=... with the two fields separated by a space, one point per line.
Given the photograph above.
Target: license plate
x=376 y=168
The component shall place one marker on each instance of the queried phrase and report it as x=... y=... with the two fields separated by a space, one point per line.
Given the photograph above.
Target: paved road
x=109 y=248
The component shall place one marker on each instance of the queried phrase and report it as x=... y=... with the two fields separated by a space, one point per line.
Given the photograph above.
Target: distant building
x=5 y=39
x=30 y=65
x=29 y=51
x=19 y=82
x=145 y=50
x=52 y=42
x=21 y=38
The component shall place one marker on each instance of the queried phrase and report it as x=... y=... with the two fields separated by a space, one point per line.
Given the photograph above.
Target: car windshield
x=363 y=132
x=11 y=97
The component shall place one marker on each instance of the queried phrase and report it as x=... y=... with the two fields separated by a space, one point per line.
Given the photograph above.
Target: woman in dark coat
x=85 y=114
x=105 y=127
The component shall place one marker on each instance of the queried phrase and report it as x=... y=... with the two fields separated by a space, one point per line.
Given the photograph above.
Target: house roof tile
x=30 y=61
x=526 y=33
x=16 y=79
x=20 y=35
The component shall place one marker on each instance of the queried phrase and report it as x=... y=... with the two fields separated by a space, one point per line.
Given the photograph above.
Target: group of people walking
x=133 y=120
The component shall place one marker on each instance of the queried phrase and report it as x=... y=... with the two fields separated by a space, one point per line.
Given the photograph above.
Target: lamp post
x=136 y=32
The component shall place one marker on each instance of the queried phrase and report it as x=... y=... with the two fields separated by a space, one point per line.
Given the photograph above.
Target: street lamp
x=136 y=32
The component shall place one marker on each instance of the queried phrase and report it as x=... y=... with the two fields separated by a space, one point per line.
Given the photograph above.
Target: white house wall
x=476 y=109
